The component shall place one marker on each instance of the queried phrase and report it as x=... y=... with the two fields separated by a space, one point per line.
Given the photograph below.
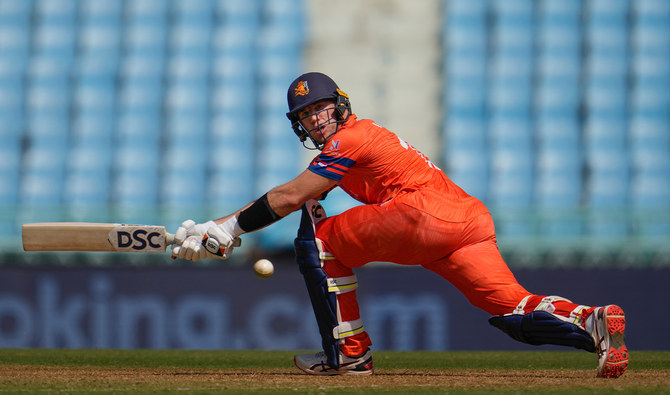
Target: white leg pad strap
x=341 y=285
x=348 y=328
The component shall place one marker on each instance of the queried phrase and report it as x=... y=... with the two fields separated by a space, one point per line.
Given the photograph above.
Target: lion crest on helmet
x=301 y=89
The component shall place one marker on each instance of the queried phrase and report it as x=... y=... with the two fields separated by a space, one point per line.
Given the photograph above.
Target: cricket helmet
x=310 y=88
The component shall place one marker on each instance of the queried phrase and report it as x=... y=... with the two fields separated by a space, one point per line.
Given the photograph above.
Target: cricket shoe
x=317 y=364
x=607 y=328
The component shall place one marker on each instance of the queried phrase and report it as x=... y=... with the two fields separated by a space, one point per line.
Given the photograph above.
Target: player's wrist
x=259 y=215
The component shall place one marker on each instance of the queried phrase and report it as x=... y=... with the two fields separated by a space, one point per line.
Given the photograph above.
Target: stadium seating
x=555 y=113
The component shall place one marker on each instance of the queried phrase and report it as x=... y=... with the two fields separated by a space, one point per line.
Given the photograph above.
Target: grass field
x=144 y=371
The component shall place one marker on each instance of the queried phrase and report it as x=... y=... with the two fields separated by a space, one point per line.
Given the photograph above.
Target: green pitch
x=150 y=371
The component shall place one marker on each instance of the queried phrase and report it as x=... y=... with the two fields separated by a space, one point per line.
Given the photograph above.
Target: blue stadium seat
x=557 y=97
x=183 y=189
x=235 y=97
x=651 y=161
x=100 y=46
x=141 y=96
x=230 y=190
x=608 y=180
x=100 y=11
x=277 y=162
x=84 y=189
x=466 y=95
x=650 y=197
x=145 y=40
x=282 y=67
x=93 y=130
x=649 y=131
x=135 y=170
x=193 y=12
x=235 y=40
x=45 y=93
x=56 y=11
x=511 y=133
x=191 y=65
x=188 y=95
x=607 y=12
x=12 y=97
x=272 y=99
x=56 y=44
x=606 y=96
x=228 y=69
x=97 y=95
x=465 y=132
x=15 y=38
x=41 y=190
x=184 y=174
x=469 y=169
x=558 y=192
x=239 y=11
x=12 y=10
x=147 y=12
x=43 y=175
x=88 y=176
x=191 y=40
x=231 y=166
x=138 y=68
x=607 y=38
x=511 y=95
x=651 y=190
x=228 y=129
x=183 y=129
x=9 y=189
x=465 y=153
x=49 y=130
x=514 y=30
x=141 y=128
x=512 y=178
x=651 y=98
x=605 y=133
x=135 y=189
x=607 y=186
x=10 y=162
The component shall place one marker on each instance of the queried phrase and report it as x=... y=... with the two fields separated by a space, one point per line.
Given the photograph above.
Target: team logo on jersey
x=334 y=145
x=302 y=88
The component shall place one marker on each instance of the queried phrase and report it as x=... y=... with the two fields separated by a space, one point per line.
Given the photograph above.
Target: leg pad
x=541 y=327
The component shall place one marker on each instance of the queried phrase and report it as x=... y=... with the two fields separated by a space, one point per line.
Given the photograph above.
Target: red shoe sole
x=617 y=358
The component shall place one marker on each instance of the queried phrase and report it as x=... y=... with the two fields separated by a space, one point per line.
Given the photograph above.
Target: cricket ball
x=264 y=268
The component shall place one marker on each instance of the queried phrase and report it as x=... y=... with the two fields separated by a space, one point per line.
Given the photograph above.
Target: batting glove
x=188 y=228
x=193 y=250
x=220 y=239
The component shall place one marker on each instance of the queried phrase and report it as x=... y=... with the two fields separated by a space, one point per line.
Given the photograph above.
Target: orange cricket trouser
x=463 y=253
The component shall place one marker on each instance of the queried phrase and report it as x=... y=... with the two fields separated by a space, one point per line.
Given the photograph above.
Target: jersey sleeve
x=331 y=167
x=337 y=157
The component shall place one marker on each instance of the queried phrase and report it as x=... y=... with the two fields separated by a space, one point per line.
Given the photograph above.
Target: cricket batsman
x=412 y=214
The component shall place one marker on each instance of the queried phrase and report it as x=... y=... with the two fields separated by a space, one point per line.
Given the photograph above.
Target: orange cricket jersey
x=373 y=165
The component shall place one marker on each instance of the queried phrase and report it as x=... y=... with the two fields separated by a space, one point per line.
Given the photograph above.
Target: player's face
x=319 y=120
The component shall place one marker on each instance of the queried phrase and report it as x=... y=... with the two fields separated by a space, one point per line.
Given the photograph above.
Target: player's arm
x=269 y=208
x=289 y=197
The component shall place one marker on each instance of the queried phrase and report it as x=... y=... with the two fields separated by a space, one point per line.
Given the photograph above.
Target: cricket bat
x=88 y=236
